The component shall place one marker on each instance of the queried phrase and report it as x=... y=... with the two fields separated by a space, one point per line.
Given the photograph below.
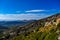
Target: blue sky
x=28 y=9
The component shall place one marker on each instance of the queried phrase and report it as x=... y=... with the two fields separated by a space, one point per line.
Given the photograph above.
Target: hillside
x=43 y=29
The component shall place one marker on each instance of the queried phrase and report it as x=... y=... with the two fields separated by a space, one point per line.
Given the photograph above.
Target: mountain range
x=7 y=24
x=43 y=29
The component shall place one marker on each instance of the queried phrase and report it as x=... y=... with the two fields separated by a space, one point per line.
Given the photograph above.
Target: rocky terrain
x=43 y=29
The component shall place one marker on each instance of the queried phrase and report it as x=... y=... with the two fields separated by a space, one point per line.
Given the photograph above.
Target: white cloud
x=21 y=16
x=35 y=10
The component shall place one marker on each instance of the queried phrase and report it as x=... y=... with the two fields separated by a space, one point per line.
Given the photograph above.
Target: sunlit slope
x=49 y=30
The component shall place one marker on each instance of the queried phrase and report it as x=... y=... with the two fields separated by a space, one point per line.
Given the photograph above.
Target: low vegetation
x=42 y=33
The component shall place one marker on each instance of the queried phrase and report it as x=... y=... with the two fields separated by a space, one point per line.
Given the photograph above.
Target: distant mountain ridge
x=2 y=27
x=13 y=23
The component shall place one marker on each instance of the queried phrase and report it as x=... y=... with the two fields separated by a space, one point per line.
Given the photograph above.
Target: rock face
x=54 y=19
x=58 y=20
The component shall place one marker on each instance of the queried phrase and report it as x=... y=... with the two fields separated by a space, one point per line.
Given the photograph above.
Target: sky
x=28 y=9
